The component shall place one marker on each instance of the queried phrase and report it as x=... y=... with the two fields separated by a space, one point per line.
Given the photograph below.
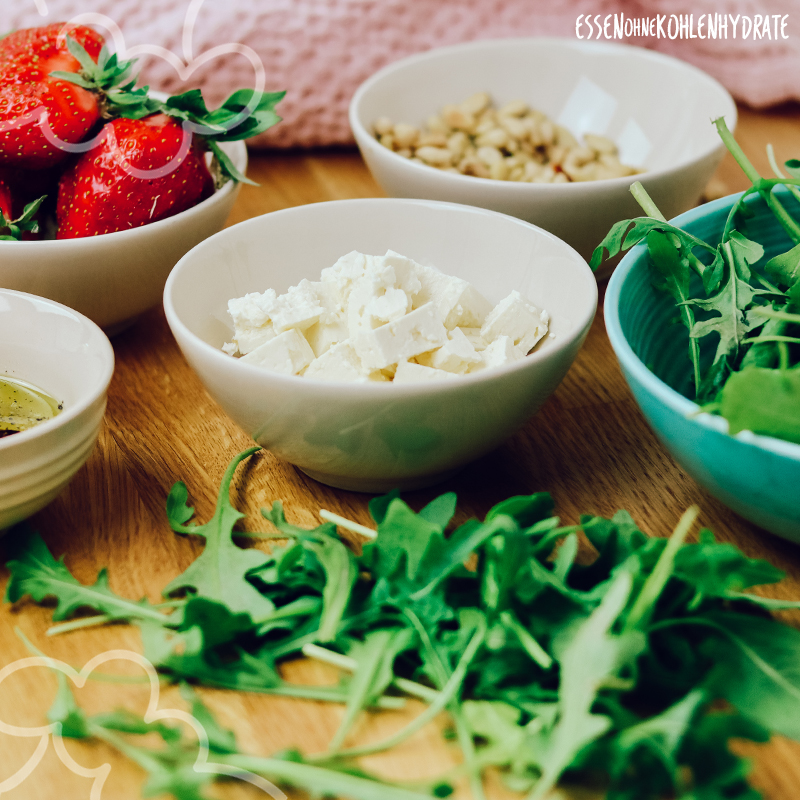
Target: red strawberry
x=108 y=189
x=56 y=83
x=5 y=200
x=25 y=226
x=30 y=98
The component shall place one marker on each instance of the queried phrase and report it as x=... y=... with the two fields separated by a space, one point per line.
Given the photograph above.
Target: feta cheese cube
x=253 y=310
x=500 y=352
x=456 y=355
x=339 y=363
x=299 y=308
x=522 y=322
x=346 y=270
x=474 y=337
x=248 y=339
x=406 y=272
x=457 y=302
x=288 y=353
x=322 y=336
x=418 y=331
x=409 y=372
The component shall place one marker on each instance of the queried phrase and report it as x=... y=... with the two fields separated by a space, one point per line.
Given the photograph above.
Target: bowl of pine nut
x=552 y=131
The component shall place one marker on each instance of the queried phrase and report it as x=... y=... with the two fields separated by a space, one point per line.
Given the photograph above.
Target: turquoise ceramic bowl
x=756 y=476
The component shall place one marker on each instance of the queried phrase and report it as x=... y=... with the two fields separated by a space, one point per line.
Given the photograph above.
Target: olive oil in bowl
x=22 y=406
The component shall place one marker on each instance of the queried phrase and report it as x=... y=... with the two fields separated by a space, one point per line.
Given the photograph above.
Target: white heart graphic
x=153 y=714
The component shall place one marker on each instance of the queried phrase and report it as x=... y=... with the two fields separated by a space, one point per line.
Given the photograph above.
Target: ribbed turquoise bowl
x=756 y=476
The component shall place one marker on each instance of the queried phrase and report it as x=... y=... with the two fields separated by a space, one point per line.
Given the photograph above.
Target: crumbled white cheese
x=456 y=301
x=418 y=331
x=456 y=355
x=382 y=318
x=522 y=322
x=299 y=308
x=339 y=363
x=409 y=372
x=500 y=352
x=288 y=353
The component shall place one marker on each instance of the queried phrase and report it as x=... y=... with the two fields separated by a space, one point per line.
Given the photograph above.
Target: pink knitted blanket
x=321 y=50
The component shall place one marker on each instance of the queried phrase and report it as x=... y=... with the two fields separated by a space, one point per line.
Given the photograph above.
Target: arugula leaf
x=222 y=571
x=646 y=756
x=757 y=668
x=336 y=560
x=581 y=678
x=733 y=300
x=765 y=401
x=375 y=657
x=35 y=572
x=785 y=268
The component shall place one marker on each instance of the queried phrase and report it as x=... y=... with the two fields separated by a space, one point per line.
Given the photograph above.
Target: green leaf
x=440 y=511
x=722 y=570
x=785 y=268
x=219 y=739
x=648 y=753
x=581 y=678
x=765 y=401
x=732 y=302
x=35 y=572
x=375 y=658
x=620 y=238
x=222 y=570
x=226 y=165
x=525 y=510
x=757 y=668
x=66 y=711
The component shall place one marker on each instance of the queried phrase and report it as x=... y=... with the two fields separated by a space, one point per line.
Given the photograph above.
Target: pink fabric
x=321 y=50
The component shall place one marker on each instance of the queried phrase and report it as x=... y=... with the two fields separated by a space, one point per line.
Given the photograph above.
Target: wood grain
x=589 y=446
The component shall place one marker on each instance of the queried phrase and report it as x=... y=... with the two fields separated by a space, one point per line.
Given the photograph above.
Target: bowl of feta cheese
x=381 y=343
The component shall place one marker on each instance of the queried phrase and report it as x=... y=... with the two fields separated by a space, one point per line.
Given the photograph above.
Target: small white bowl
x=656 y=108
x=115 y=277
x=69 y=357
x=377 y=436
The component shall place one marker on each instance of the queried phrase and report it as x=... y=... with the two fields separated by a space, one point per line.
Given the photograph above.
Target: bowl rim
x=630 y=362
x=120 y=237
x=378 y=389
x=366 y=139
x=106 y=352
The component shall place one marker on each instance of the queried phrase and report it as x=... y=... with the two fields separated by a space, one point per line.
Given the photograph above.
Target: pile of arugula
x=752 y=308
x=634 y=669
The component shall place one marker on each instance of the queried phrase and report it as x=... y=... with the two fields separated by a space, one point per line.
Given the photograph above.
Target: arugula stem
x=775 y=205
x=348 y=664
x=102 y=619
x=463 y=731
x=646 y=202
x=446 y=695
x=777 y=170
x=658 y=578
x=347 y=524
x=529 y=644
x=763 y=339
x=651 y=209
x=319 y=780
x=771 y=313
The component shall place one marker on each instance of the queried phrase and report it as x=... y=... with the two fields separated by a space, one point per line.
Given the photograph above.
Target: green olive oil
x=23 y=405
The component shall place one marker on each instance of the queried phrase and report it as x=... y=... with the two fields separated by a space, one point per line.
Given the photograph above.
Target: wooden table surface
x=589 y=446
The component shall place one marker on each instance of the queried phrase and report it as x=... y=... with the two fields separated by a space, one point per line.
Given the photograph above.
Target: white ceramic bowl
x=70 y=358
x=658 y=109
x=115 y=277
x=374 y=437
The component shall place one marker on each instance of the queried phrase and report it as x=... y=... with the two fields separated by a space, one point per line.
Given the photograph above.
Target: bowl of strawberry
x=105 y=185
